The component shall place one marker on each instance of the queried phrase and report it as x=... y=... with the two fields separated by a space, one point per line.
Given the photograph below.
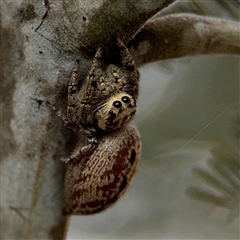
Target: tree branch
x=83 y=30
x=184 y=35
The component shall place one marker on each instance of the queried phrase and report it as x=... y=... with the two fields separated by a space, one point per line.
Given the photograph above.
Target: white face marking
x=116 y=112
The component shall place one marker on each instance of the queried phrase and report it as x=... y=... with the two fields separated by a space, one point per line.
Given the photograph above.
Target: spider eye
x=126 y=99
x=117 y=104
x=110 y=112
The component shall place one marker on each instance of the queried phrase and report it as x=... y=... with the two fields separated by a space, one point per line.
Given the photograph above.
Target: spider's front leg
x=128 y=63
x=84 y=151
x=127 y=60
x=82 y=97
x=92 y=141
x=64 y=119
x=77 y=96
x=73 y=88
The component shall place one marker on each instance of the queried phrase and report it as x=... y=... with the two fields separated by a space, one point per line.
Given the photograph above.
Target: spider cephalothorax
x=105 y=100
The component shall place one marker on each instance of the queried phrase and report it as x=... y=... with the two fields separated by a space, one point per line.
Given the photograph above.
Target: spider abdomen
x=97 y=181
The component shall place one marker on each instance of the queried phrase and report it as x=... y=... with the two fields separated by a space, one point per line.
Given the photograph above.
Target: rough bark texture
x=82 y=26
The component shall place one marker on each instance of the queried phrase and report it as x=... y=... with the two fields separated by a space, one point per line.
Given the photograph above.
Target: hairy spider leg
x=74 y=127
x=93 y=77
x=129 y=63
x=84 y=151
x=72 y=86
x=83 y=105
x=78 y=104
x=63 y=118
x=92 y=142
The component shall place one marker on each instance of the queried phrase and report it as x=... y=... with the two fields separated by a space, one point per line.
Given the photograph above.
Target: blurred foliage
x=224 y=177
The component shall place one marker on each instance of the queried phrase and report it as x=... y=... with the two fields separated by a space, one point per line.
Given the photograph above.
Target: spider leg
x=83 y=105
x=72 y=86
x=59 y=114
x=71 y=125
x=127 y=59
x=84 y=151
x=78 y=101
x=96 y=59
x=66 y=123
x=94 y=74
x=88 y=87
x=128 y=63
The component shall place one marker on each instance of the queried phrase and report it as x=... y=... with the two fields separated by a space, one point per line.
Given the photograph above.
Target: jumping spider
x=106 y=99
